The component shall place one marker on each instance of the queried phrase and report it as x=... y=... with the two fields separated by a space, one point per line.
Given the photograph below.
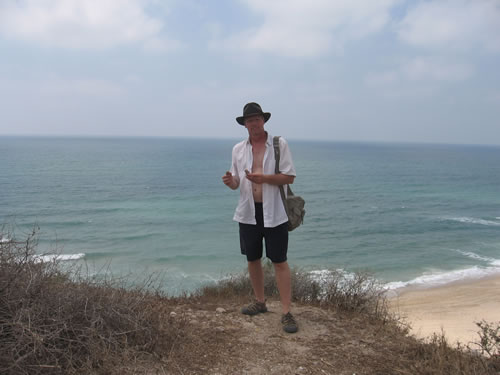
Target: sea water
x=410 y=214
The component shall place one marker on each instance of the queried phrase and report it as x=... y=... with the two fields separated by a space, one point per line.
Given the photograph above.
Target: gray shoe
x=254 y=308
x=289 y=323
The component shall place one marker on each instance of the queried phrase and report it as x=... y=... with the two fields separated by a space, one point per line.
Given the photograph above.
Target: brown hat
x=252 y=109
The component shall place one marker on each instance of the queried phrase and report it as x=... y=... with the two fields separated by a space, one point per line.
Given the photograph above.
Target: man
x=260 y=211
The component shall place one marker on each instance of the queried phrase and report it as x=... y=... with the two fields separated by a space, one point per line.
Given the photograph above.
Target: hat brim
x=241 y=119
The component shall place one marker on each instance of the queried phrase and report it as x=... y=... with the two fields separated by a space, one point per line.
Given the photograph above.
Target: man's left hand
x=256 y=178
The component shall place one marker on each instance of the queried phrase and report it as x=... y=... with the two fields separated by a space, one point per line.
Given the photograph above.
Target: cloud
x=383 y=78
x=436 y=69
x=459 y=24
x=81 y=23
x=427 y=70
x=59 y=87
x=494 y=98
x=81 y=87
x=298 y=28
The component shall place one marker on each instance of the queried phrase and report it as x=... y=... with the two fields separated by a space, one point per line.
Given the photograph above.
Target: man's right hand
x=228 y=180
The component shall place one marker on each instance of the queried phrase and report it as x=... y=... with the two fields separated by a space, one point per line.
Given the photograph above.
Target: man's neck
x=259 y=139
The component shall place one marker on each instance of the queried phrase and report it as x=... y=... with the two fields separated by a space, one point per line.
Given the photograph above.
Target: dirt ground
x=229 y=342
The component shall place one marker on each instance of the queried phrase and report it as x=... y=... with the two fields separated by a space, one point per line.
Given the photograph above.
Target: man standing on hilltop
x=260 y=211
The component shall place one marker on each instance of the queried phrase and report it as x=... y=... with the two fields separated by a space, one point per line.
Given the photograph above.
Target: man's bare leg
x=283 y=279
x=257 y=279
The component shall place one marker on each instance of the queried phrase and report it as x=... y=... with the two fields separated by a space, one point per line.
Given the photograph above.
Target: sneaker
x=289 y=323
x=254 y=308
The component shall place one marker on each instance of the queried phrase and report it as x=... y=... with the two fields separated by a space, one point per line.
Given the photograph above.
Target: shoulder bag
x=294 y=204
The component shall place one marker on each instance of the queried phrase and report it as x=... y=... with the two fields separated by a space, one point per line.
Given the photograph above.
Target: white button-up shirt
x=274 y=211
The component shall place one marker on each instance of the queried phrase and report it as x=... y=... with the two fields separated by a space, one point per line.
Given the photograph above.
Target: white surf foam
x=58 y=257
x=341 y=278
x=441 y=278
x=323 y=276
x=473 y=255
x=473 y=220
x=5 y=240
x=427 y=280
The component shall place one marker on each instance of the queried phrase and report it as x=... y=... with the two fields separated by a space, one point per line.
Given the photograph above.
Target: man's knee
x=280 y=266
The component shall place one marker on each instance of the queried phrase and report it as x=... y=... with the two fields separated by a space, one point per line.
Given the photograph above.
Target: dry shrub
x=230 y=287
x=359 y=293
x=489 y=334
x=50 y=323
x=360 y=296
x=238 y=285
x=489 y=342
x=435 y=356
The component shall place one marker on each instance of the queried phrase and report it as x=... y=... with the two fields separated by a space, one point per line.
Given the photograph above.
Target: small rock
x=220 y=310
x=194 y=321
x=219 y=329
x=173 y=314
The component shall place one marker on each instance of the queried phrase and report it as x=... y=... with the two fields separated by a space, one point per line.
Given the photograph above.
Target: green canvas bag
x=294 y=204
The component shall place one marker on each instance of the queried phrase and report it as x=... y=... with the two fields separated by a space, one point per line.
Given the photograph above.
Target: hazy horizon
x=236 y=139
x=392 y=71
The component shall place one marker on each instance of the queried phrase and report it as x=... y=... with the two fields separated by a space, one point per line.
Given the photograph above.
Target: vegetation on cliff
x=54 y=321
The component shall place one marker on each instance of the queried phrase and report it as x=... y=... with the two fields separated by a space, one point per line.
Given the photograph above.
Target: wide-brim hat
x=252 y=109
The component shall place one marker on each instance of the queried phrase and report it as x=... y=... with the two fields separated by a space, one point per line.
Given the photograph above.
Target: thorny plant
x=55 y=322
x=489 y=334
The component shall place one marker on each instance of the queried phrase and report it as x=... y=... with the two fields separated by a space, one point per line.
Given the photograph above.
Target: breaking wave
x=58 y=257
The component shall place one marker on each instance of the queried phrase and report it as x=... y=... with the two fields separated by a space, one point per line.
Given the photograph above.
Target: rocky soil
x=228 y=342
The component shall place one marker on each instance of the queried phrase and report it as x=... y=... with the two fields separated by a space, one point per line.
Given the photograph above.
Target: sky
x=341 y=70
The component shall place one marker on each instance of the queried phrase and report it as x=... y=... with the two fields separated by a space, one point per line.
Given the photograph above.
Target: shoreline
x=452 y=308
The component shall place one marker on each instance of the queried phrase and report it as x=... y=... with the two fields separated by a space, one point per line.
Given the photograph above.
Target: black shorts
x=251 y=239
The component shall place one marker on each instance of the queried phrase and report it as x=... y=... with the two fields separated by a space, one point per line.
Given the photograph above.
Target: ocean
x=410 y=214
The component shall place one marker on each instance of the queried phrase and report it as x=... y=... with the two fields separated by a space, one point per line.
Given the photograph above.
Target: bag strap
x=276 y=146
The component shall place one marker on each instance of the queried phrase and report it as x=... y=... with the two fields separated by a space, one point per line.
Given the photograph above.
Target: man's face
x=255 y=125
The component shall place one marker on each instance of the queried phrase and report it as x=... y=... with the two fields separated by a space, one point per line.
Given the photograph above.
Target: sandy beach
x=453 y=308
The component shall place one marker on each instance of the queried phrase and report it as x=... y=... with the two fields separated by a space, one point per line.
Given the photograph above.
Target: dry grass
x=489 y=343
x=50 y=323
x=360 y=297
x=358 y=293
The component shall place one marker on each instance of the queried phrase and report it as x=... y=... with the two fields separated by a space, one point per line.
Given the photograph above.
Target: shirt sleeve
x=286 y=163
x=234 y=166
